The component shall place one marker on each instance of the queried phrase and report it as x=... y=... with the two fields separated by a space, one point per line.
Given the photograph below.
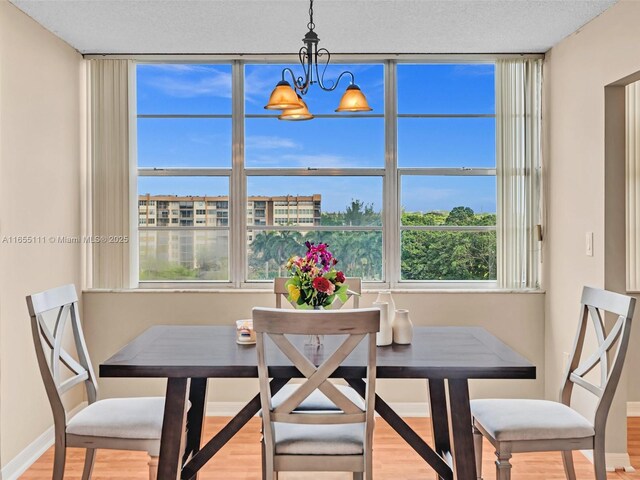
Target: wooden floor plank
x=393 y=459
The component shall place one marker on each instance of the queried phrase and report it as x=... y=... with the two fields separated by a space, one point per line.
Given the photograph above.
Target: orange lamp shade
x=283 y=97
x=296 y=114
x=353 y=100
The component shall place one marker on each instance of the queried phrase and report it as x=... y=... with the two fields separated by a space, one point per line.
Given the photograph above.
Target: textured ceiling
x=344 y=26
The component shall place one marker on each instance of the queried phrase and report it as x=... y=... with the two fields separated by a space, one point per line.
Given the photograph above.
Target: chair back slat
x=308 y=322
x=65 y=358
x=58 y=329
x=69 y=383
x=610 y=351
x=597 y=391
x=63 y=303
x=354 y=290
x=317 y=378
x=357 y=325
x=53 y=298
x=320 y=419
x=608 y=301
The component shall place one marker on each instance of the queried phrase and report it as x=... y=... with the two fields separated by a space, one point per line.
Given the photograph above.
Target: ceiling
x=344 y=26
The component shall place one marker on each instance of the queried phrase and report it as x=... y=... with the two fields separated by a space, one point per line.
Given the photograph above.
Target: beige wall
x=113 y=319
x=576 y=72
x=40 y=164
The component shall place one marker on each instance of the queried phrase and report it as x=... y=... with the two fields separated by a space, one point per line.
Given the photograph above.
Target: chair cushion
x=512 y=420
x=299 y=439
x=317 y=401
x=135 y=418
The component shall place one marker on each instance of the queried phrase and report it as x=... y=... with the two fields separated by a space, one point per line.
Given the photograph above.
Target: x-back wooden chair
x=331 y=440
x=514 y=426
x=122 y=424
x=354 y=291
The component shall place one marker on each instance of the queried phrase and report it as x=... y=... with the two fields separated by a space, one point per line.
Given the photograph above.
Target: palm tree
x=273 y=248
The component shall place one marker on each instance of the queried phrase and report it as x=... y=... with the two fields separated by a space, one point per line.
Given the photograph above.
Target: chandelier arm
x=304 y=56
x=297 y=83
x=335 y=83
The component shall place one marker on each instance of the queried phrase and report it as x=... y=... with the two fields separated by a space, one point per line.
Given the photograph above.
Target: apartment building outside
x=192 y=211
x=192 y=231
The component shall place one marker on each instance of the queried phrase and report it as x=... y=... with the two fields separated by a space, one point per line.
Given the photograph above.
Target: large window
x=318 y=181
x=403 y=194
x=447 y=171
x=184 y=169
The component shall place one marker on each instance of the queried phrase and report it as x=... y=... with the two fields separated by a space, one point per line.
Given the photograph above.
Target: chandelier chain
x=311 y=25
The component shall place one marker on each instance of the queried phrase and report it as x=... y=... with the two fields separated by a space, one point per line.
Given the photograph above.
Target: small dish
x=245 y=334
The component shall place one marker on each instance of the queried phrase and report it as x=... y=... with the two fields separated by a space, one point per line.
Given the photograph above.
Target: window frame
x=238 y=174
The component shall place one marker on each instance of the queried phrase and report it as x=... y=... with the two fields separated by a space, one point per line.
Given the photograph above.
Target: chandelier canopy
x=288 y=96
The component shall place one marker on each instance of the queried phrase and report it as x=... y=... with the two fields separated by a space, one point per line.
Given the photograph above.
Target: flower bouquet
x=315 y=282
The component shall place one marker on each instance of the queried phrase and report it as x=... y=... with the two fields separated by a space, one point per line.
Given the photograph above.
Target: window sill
x=372 y=291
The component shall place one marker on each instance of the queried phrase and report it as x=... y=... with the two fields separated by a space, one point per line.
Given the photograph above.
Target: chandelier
x=288 y=96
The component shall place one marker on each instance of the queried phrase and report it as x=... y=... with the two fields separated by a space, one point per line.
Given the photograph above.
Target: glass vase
x=316 y=340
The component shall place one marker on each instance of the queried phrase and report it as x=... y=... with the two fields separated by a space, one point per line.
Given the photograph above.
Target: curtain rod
x=293 y=57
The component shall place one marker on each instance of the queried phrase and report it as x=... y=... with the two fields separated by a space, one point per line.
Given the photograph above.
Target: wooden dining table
x=187 y=356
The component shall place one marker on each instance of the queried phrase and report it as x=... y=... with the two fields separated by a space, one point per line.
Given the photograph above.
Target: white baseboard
x=404 y=409
x=619 y=461
x=633 y=409
x=27 y=457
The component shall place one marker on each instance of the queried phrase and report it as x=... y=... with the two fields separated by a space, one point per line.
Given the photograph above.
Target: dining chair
x=300 y=440
x=354 y=290
x=514 y=426
x=115 y=423
x=317 y=400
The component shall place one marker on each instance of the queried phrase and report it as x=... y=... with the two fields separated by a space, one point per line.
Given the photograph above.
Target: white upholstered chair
x=298 y=438
x=354 y=289
x=514 y=426
x=116 y=423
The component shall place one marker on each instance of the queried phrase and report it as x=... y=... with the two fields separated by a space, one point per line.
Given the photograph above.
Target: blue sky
x=348 y=142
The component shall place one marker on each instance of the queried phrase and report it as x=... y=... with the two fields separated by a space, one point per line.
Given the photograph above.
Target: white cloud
x=179 y=81
x=268 y=142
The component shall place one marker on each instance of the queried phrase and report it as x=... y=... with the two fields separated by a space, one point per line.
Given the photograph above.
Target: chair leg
x=264 y=459
x=153 y=467
x=269 y=473
x=567 y=461
x=477 y=446
x=368 y=465
x=58 y=462
x=503 y=467
x=599 y=460
x=89 y=457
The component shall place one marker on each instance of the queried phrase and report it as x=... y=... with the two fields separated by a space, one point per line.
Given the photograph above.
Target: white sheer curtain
x=632 y=178
x=109 y=165
x=518 y=163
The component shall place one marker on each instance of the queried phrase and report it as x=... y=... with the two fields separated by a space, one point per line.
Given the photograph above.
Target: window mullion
x=238 y=186
x=391 y=194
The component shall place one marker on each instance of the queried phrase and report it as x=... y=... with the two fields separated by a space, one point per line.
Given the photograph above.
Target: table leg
x=439 y=418
x=195 y=418
x=406 y=432
x=172 y=441
x=461 y=428
x=228 y=431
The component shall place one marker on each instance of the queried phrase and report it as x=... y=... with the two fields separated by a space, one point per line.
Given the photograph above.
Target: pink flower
x=323 y=285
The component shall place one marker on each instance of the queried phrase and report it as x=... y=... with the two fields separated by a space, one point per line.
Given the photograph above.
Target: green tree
x=356 y=214
x=448 y=255
x=270 y=251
